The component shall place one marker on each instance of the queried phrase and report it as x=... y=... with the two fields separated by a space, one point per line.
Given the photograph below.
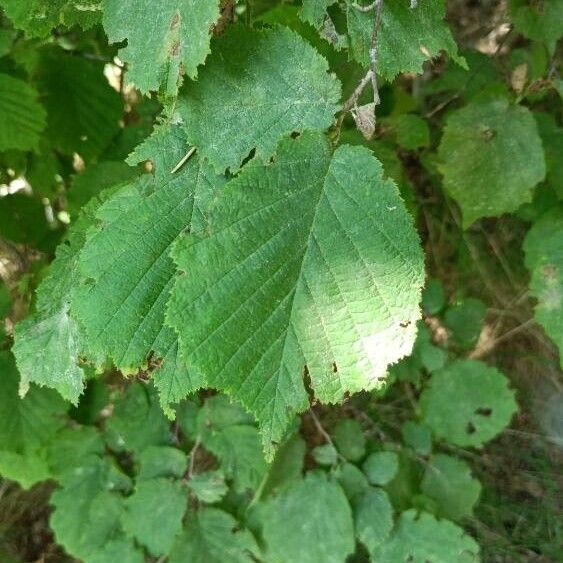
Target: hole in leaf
x=470 y=428
x=484 y=411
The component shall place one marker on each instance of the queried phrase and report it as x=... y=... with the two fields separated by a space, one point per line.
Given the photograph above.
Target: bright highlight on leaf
x=491 y=158
x=310 y=264
x=257 y=87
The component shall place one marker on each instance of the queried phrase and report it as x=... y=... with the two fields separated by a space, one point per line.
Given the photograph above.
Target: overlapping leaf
x=491 y=158
x=310 y=262
x=129 y=273
x=163 y=38
x=256 y=87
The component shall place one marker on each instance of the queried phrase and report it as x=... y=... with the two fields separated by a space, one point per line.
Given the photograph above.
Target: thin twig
x=371 y=74
x=192 y=453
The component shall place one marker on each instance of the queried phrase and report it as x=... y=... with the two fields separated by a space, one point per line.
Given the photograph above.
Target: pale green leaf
x=407 y=36
x=353 y=482
x=22 y=118
x=544 y=260
x=552 y=138
x=326 y=454
x=257 y=86
x=163 y=37
x=448 y=481
x=162 y=461
x=421 y=538
x=411 y=131
x=208 y=487
x=26 y=469
x=381 y=467
x=417 y=436
x=491 y=158
x=373 y=518
x=213 y=536
x=467 y=403
x=309 y=260
x=86 y=512
x=153 y=513
x=310 y=521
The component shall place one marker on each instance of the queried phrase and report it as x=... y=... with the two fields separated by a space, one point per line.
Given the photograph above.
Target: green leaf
x=433 y=297
x=349 y=439
x=314 y=11
x=26 y=469
x=121 y=305
x=95 y=179
x=153 y=513
x=467 y=403
x=411 y=131
x=208 y=487
x=47 y=343
x=38 y=17
x=552 y=138
x=417 y=436
x=353 y=482
x=407 y=36
x=326 y=454
x=257 y=87
x=225 y=431
x=381 y=467
x=213 y=536
x=310 y=521
x=162 y=461
x=491 y=158
x=292 y=248
x=420 y=538
x=27 y=424
x=448 y=481
x=465 y=321
x=86 y=514
x=163 y=38
x=137 y=421
x=5 y=301
x=83 y=110
x=373 y=518
x=22 y=118
x=544 y=259
x=540 y=21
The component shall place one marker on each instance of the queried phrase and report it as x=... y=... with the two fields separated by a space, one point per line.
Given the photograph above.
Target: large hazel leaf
x=544 y=260
x=22 y=118
x=407 y=36
x=256 y=87
x=163 y=36
x=491 y=158
x=309 y=263
x=129 y=272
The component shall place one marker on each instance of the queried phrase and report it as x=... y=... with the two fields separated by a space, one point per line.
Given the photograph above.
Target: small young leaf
x=448 y=481
x=491 y=158
x=373 y=518
x=208 y=487
x=467 y=403
x=381 y=467
x=349 y=439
